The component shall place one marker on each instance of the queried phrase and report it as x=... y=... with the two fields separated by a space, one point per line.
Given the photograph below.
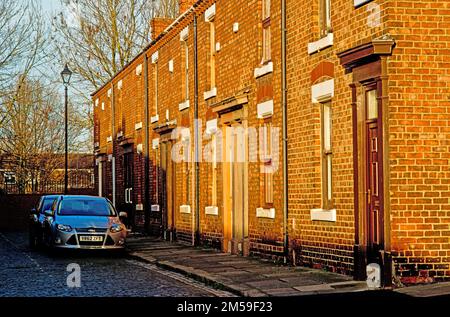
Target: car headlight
x=117 y=228
x=64 y=228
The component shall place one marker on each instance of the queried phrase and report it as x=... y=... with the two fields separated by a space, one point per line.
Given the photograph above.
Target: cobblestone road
x=27 y=273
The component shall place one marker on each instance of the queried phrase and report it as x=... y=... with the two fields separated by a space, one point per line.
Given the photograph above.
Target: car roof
x=86 y=197
x=50 y=196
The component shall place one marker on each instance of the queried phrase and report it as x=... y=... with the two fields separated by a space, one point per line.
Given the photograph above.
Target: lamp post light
x=66 y=74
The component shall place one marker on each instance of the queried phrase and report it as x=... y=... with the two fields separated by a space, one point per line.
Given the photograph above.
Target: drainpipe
x=147 y=148
x=113 y=134
x=285 y=135
x=196 y=139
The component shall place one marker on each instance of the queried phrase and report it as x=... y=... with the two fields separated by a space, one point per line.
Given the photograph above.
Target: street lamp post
x=66 y=74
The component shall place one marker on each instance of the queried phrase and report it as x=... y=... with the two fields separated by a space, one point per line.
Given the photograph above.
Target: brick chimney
x=184 y=5
x=158 y=25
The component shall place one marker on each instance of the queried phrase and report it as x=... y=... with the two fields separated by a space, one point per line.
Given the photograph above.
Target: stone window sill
x=210 y=94
x=154 y=119
x=184 y=105
x=265 y=213
x=185 y=209
x=264 y=70
x=360 y=3
x=212 y=211
x=319 y=45
x=323 y=215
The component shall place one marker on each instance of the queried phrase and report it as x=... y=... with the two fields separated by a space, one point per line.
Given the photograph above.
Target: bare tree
x=99 y=37
x=32 y=130
x=167 y=8
x=22 y=41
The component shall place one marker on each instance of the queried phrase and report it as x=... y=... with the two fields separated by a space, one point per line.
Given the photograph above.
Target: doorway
x=368 y=64
x=128 y=179
x=373 y=141
x=168 y=188
x=235 y=188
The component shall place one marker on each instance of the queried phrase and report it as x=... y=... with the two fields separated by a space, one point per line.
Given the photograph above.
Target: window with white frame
x=187 y=171
x=185 y=54
x=325 y=17
x=267 y=163
x=267 y=37
x=214 y=170
x=212 y=54
x=155 y=89
x=327 y=156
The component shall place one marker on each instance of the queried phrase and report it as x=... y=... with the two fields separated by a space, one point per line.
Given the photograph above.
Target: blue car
x=37 y=217
x=84 y=222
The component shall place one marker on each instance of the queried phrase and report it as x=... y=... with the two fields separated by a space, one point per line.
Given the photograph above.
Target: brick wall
x=328 y=245
x=418 y=107
x=419 y=139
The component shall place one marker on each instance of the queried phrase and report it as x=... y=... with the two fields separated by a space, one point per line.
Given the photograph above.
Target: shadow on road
x=83 y=254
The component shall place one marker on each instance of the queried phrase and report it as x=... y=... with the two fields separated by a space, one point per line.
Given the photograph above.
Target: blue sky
x=50 y=5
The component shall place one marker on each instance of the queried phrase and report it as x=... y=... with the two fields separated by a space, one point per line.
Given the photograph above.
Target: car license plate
x=91 y=238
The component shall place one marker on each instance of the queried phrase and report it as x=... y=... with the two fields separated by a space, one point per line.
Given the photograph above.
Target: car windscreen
x=47 y=204
x=85 y=207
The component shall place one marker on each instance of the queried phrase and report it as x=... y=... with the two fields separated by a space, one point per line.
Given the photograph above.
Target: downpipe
x=196 y=139
x=285 y=134
x=147 y=149
x=113 y=134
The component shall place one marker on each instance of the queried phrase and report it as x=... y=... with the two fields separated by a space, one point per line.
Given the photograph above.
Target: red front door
x=374 y=182
x=373 y=193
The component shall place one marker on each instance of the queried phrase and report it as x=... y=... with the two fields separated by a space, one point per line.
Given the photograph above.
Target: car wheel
x=32 y=239
x=39 y=241
x=32 y=242
x=48 y=241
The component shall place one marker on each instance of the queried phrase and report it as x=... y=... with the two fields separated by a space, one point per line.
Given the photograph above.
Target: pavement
x=426 y=290
x=38 y=274
x=242 y=276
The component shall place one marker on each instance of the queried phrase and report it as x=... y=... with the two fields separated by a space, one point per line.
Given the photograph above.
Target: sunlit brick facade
x=367 y=104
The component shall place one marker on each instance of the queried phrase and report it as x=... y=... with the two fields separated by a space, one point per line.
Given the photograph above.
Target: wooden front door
x=235 y=213
x=374 y=216
x=128 y=180
x=368 y=64
x=104 y=178
x=168 y=190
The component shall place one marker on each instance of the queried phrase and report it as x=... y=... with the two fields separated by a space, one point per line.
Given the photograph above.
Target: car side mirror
x=48 y=213
x=33 y=211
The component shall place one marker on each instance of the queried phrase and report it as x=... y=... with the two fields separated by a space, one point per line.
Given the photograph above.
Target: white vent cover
x=184 y=34
x=140 y=148
x=155 y=143
x=155 y=57
x=210 y=13
x=139 y=70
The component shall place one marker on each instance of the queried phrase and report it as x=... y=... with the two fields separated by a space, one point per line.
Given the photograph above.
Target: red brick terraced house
x=312 y=132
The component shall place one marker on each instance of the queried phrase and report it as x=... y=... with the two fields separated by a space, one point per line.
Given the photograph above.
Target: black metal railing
x=76 y=182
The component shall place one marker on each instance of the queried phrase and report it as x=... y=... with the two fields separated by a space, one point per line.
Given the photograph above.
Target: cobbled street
x=26 y=273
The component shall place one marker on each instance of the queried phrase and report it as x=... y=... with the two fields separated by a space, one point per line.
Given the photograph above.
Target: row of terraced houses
x=314 y=132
